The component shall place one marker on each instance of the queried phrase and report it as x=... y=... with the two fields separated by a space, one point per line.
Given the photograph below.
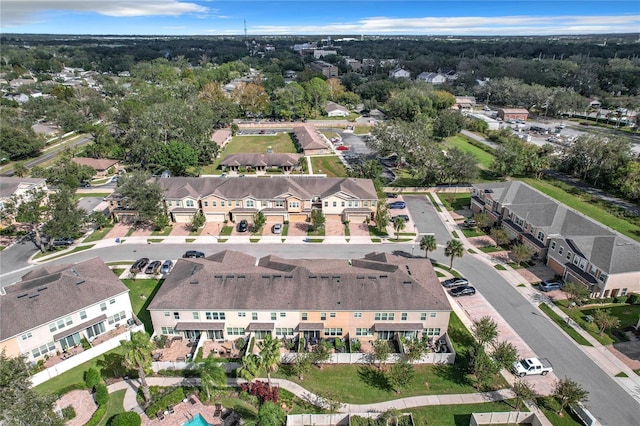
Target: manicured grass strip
x=589 y=209
x=456 y=415
x=114 y=406
x=564 y=326
x=500 y=267
x=140 y=293
x=484 y=158
x=433 y=201
x=79 y=195
x=622 y=374
x=329 y=165
x=475 y=232
x=549 y=407
x=455 y=201
x=163 y=232
x=98 y=234
x=226 y=231
x=365 y=384
x=75 y=250
x=490 y=249
x=446 y=268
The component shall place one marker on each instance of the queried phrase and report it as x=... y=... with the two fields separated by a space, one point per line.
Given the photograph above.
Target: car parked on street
x=397 y=205
x=243 y=226
x=463 y=290
x=62 y=242
x=455 y=282
x=192 y=254
x=549 y=285
x=166 y=267
x=139 y=265
x=153 y=268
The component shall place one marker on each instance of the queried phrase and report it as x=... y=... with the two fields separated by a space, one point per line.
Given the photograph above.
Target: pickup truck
x=532 y=366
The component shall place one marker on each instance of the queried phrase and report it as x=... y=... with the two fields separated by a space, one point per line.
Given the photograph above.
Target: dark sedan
x=464 y=290
x=192 y=254
x=153 y=267
x=139 y=265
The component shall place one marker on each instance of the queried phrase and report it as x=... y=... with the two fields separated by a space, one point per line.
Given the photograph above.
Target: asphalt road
x=607 y=400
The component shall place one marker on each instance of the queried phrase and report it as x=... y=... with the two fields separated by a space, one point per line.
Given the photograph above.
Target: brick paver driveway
x=358 y=229
x=298 y=229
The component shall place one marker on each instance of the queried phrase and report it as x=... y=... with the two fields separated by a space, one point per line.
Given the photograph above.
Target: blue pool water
x=197 y=420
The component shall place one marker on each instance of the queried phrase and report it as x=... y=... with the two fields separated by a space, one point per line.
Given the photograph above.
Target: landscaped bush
x=262 y=390
x=240 y=343
x=172 y=397
x=179 y=373
x=68 y=413
x=92 y=378
x=67 y=389
x=102 y=394
x=85 y=344
x=620 y=299
x=97 y=416
x=634 y=299
x=130 y=418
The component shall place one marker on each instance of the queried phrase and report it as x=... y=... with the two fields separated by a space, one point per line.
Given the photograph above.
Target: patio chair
x=160 y=415
x=218 y=411
x=192 y=400
x=171 y=410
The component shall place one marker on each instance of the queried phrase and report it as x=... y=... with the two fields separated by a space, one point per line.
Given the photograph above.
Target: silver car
x=166 y=266
x=277 y=228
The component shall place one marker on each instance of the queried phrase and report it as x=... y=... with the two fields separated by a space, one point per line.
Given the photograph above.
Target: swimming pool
x=197 y=420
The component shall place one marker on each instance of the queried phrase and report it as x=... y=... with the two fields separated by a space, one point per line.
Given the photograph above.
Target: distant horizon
x=461 y=18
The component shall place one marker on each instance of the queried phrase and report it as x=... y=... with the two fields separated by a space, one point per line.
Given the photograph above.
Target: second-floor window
x=560 y=250
x=553 y=245
x=205 y=203
x=250 y=203
x=294 y=204
x=384 y=316
x=540 y=235
x=189 y=203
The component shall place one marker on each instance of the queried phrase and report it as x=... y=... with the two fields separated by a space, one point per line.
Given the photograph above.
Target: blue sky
x=330 y=17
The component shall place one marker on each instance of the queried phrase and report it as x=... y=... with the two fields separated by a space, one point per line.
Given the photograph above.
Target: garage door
x=297 y=217
x=237 y=217
x=333 y=218
x=215 y=217
x=275 y=219
x=182 y=217
x=358 y=218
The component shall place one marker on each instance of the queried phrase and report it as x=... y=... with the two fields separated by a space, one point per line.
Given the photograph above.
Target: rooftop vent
x=80 y=282
x=325 y=277
x=33 y=296
x=74 y=272
x=372 y=277
x=20 y=296
x=242 y=276
x=407 y=282
x=217 y=276
x=313 y=276
x=360 y=277
x=193 y=282
x=43 y=288
x=230 y=276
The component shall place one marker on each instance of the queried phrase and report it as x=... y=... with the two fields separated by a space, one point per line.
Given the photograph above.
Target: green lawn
x=105 y=362
x=484 y=158
x=456 y=415
x=77 y=196
x=282 y=142
x=627 y=314
x=138 y=289
x=564 y=326
x=455 y=201
x=75 y=250
x=114 y=406
x=589 y=209
x=474 y=232
x=329 y=165
x=98 y=235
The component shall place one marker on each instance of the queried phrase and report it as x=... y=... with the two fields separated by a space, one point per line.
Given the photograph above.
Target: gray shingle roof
x=276 y=159
x=267 y=188
x=8 y=185
x=236 y=282
x=55 y=291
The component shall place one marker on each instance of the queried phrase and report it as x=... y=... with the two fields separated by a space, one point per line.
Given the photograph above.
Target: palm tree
x=428 y=243
x=269 y=355
x=212 y=374
x=137 y=355
x=249 y=368
x=453 y=249
x=398 y=225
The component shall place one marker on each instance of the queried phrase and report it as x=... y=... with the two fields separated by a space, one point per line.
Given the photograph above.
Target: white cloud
x=21 y=12
x=471 y=25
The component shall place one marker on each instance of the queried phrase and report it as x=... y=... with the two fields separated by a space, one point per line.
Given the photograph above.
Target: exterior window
x=29 y=335
x=235 y=331
x=326 y=204
x=214 y=315
x=423 y=316
x=304 y=316
x=332 y=314
x=333 y=331
x=274 y=316
x=541 y=236
x=112 y=301
x=576 y=260
x=357 y=314
x=553 y=245
x=242 y=314
x=103 y=306
x=403 y=316
x=432 y=332
x=178 y=203
x=365 y=204
x=169 y=203
x=189 y=203
x=167 y=314
x=335 y=204
x=342 y=204
x=568 y=255
x=560 y=250
x=279 y=203
x=168 y=330
x=323 y=316
x=196 y=315
x=294 y=204
x=254 y=316
x=283 y=314
x=364 y=332
x=214 y=204
x=284 y=331
x=384 y=316
x=432 y=315
x=221 y=203
x=622 y=293
x=237 y=203
x=250 y=203
x=176 y=315
x=83 y=315
x=205 y=203
x=68 y=321
x=115 y=318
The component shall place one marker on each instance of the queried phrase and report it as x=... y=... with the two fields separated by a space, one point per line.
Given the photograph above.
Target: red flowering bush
x=262 y=391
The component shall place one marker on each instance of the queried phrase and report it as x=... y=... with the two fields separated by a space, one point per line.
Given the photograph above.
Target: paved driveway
x=298 y=229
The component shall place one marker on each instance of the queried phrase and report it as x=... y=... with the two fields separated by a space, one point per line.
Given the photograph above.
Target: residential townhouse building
x=575 y=247
x=278 y=198
x=231 y=294
x=326 y=69
x=16 y=190
x=54 y=307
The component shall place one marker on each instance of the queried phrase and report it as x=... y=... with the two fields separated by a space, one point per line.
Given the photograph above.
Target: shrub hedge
x=171 y=398
x=130 y=418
